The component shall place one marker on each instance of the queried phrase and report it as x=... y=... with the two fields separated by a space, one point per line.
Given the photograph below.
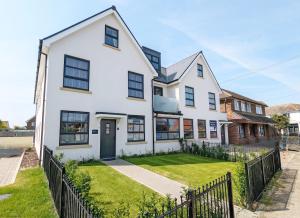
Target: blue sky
x=253 y=47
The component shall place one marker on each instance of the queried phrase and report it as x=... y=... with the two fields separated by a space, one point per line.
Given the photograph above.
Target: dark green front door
x=108 y=139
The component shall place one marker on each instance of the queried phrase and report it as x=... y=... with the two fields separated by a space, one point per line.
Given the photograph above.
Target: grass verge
x=30 y=196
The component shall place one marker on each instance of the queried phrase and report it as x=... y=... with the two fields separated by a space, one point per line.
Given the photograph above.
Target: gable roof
x=47 y=41
x=227 y=94
x=282 y=108
x=178 y=70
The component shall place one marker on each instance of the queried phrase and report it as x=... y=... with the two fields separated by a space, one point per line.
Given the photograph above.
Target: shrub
x=122 y=211
x=241 y=184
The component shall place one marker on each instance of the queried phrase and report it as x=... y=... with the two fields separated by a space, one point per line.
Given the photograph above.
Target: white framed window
x=243 y=106
x=237 y=105
x=258 y=109
x=248 y=107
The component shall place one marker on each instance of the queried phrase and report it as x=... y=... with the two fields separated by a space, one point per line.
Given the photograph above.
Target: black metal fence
x=213 y=200
x=260 y=171
x=227 y=152
x=66 y=197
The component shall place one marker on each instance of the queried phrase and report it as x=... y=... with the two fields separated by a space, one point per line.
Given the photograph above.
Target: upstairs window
x=199 y=70
x=76 y=73
x=158 y=91
x=189 y=96
x=111 y=36
x=201 y=129
x=237 y=105
x=243 y=106
x=258 y=109
x=135 y=85
x=167 y=128
x=135 y=128
x=213 y=129
x=188 y=128
x=74 y=128
x=212 y=101
x=248 y=107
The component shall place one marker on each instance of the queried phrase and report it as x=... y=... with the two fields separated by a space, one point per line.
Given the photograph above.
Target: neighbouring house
x=292 y=111
x=4 y=125
x=99 y=94
x=249 y=122
x=30 y=123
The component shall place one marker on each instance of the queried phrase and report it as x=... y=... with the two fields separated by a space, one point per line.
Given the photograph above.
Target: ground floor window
x=242 y=130
x=201 y=129
x=135 y=128
x=74 y=128
x=188 y=128
x=261 y=130
x=213 y=129
x=167 y=128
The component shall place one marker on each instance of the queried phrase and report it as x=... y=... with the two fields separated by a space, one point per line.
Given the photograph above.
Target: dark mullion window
x=158 y=91
x=135 y=128
x=189 y=96
x=188 y=128
x=135 y=85
x=212 y=101
x=76 y=73
x=201 y=129
x=200 y=70
x=167 y=128
x=111 y=36
x=242 y=131
x=213 y=129
x=74 y=128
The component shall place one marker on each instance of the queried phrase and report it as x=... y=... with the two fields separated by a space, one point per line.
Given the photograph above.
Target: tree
x=19 y=127
x=281 y=121
x=3 y=125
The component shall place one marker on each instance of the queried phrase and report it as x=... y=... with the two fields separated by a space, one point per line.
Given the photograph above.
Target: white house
x=294 y=122
x=94 y=94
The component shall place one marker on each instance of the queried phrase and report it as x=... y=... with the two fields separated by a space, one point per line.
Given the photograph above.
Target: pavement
x=154 y=181
x=285 y=198
x=10 y=161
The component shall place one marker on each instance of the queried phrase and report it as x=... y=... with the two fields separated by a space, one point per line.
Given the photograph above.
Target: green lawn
x=30 y=196
x=110 y=188
x=188 y=169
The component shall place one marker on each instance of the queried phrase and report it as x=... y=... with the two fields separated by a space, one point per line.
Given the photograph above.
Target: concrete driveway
x=10 y=161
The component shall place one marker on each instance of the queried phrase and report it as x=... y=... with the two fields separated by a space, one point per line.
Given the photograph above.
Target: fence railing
x=260 y=171
x=66 y=197
x=227 y=152
x=212 y=200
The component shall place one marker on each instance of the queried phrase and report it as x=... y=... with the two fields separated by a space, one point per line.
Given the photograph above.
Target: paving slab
x=286 y=198
x=156 y=182
x=9 y=167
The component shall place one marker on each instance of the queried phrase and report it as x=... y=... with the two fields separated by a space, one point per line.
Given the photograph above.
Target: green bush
x=241 y=184
x=122 y=211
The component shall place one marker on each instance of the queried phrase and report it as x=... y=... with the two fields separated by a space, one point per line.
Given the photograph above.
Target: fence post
x=234 y=154
x=247 y=184
x=191 y=211
x=230 y=197
x=62 y=193
x=278 y=150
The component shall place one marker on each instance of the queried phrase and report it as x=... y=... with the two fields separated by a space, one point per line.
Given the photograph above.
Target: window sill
x=213 y=110
x=75 y=90
x=136 y=143
x=62 y=147
x=166 y=140
x=188 y=106
x=112 y=47
x=136 y=99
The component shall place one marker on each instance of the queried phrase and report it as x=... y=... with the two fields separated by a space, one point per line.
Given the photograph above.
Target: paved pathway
x=10 y=162
x=291 y=208
x=152 y=180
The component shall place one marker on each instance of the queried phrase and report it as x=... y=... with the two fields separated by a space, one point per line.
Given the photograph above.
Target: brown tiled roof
x=282 y=108
x=251 y=118
x=227 y=93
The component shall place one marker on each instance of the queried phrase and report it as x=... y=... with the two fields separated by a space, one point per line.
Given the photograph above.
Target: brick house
x=249 y=122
